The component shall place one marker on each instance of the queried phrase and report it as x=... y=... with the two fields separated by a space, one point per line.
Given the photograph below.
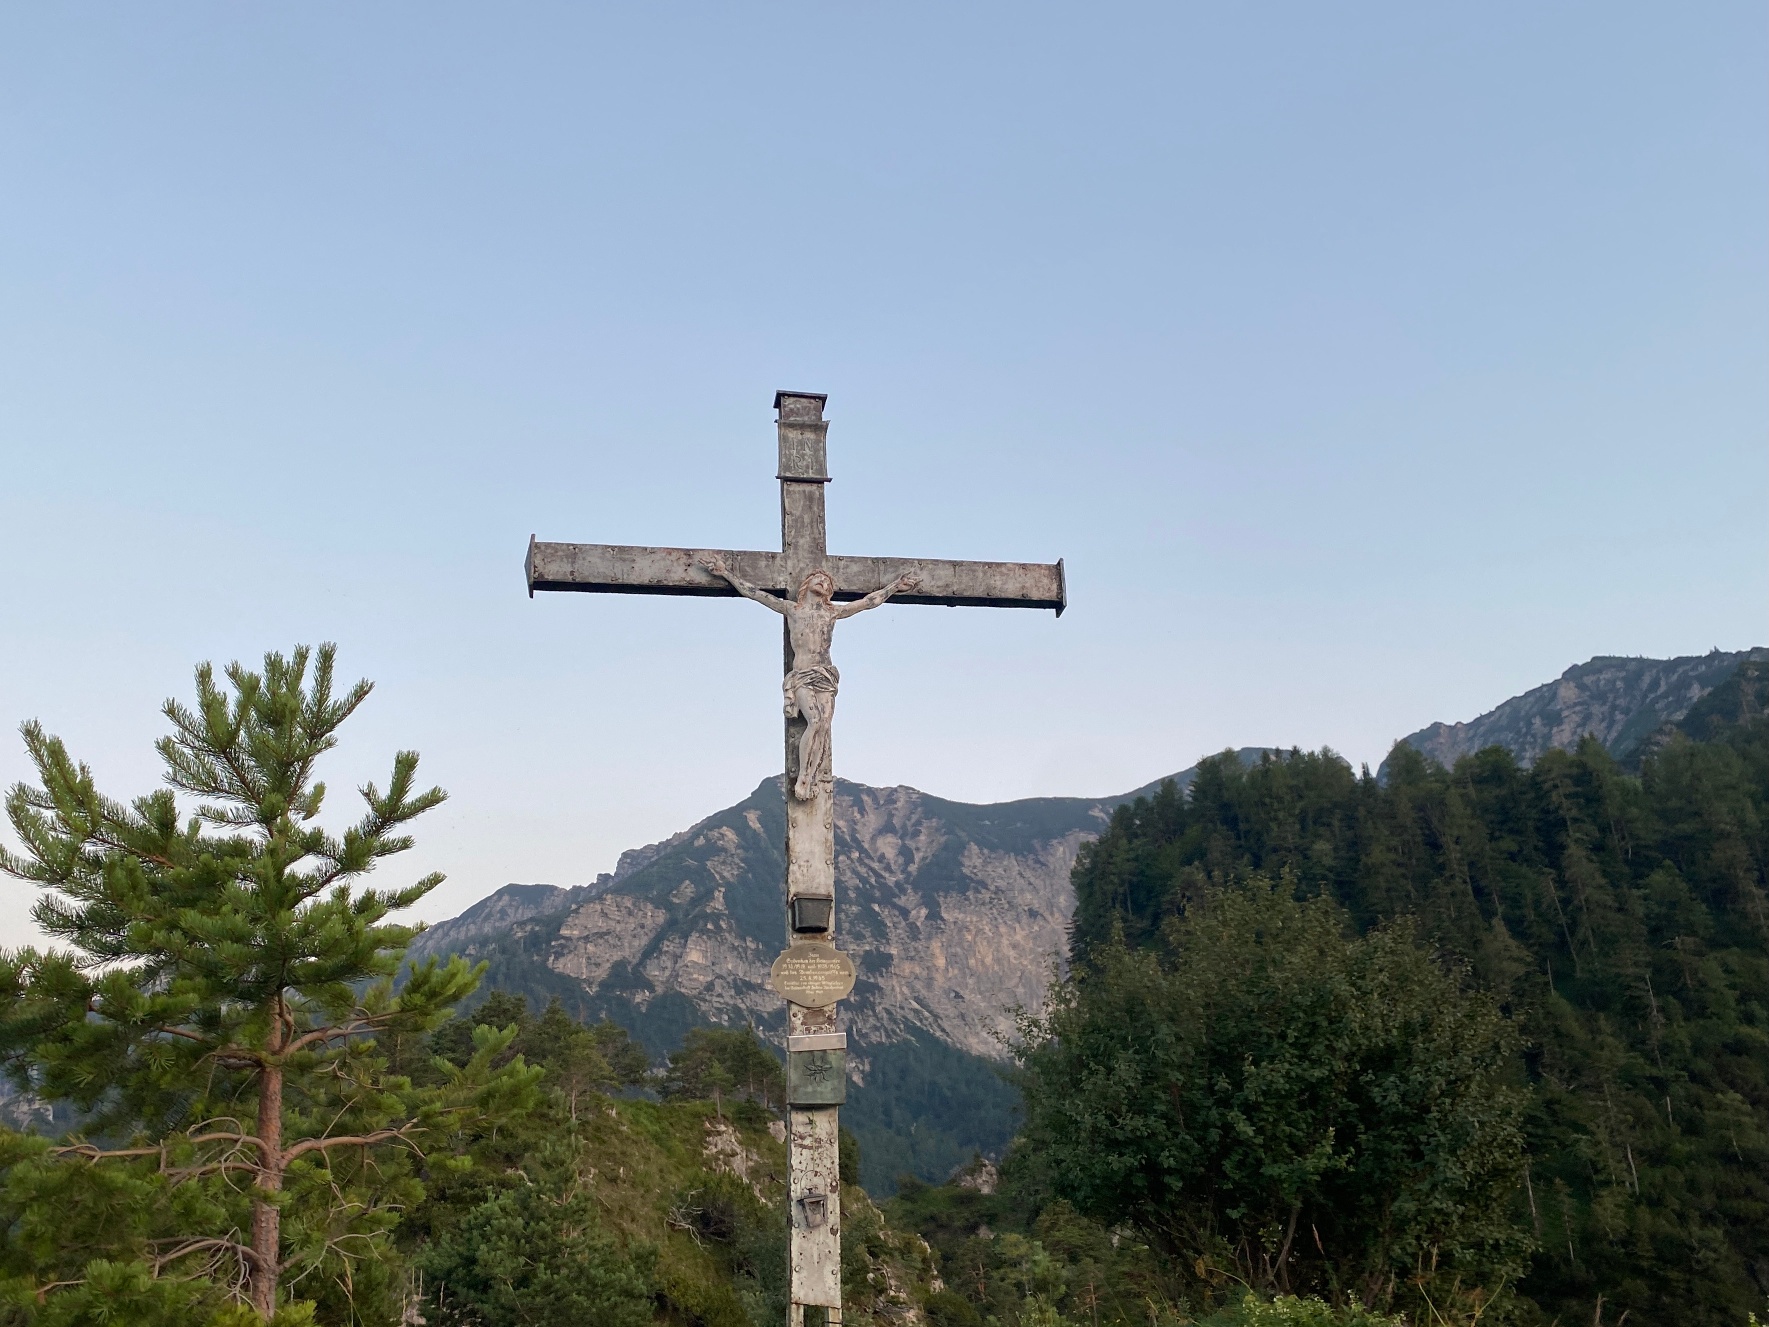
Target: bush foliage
x=1286 y=1106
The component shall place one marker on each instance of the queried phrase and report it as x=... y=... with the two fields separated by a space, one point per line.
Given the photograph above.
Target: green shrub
x=1290 y=1311
x=536 y=1256
x=1306 y=1109
x=945 y=1309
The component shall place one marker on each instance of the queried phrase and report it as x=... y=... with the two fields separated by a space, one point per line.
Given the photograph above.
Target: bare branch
x=220 y=1137
x=237 y=1057
x=219 y=1166
x=180 y=1032
x=404 y=1131
x=57 y=1285
x=93 y=1152
x=361 y=1023
x=225 y=1166
x=185 y=1247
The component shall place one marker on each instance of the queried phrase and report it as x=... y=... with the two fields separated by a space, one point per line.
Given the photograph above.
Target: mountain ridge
x=697 y=914
x=937 y=895
x=956 y=914
x=1621 y=699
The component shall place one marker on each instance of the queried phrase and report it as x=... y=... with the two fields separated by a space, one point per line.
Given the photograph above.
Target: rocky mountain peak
x=955 y=914
x=1621 y=700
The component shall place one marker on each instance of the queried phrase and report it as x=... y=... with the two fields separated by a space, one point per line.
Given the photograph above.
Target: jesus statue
x=811 y=685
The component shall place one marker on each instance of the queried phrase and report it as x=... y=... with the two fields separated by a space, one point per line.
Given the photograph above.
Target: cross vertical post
x=812 y=590
x=813 y=1135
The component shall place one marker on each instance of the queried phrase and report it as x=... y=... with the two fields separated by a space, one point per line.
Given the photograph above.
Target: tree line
x=1493 y=1037
x=1487 y=1044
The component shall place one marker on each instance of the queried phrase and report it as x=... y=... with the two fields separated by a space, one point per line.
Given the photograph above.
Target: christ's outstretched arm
x=718 y=567
x=904 y=584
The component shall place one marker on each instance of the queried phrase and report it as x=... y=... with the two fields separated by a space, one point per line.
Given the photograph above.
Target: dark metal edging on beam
x=621 y=569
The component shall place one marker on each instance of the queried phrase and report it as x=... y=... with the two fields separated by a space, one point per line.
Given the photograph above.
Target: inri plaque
x=812 y=975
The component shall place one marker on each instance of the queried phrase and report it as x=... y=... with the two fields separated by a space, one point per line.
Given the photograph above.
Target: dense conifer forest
x=1485 y=1044
x=1618 y=920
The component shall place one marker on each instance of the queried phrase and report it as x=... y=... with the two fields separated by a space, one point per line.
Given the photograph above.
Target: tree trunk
x=1283 y=1268
x=266 y=1216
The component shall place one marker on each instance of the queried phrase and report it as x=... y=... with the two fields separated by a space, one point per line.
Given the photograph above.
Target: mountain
x=955 y=914
x=1624 y=701
x=1741 y=699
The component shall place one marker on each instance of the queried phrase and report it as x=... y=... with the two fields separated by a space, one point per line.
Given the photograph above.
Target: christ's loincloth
x=821 y=678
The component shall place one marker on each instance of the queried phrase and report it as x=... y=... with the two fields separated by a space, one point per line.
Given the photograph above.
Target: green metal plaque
x=816 y=1078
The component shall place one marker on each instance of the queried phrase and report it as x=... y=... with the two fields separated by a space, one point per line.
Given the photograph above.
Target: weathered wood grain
x=814 y=1164
x=955 y=584
x=636 y=569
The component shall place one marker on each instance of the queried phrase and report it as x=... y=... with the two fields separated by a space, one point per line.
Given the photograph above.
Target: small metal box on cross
x=812 y=589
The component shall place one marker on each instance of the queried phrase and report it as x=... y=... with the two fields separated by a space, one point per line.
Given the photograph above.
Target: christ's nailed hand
x=716 y=565
x=908 y=582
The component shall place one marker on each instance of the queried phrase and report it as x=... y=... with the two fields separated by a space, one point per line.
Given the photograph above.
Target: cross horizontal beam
x=633 y=569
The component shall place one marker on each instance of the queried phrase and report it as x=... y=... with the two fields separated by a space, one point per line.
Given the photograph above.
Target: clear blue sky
x=1367 y=363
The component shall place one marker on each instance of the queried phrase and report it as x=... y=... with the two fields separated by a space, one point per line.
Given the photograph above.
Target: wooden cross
x=813 y=974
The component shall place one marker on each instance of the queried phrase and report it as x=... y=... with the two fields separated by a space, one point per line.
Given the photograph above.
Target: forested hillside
x=1487 y=1044
x=1619 y=921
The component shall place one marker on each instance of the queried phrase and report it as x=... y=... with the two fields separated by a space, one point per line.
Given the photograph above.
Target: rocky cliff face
x=1622 y=701
x=954 y=914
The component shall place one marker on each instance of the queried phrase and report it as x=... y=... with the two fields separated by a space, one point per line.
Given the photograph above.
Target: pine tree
x=225 y=978
x=714 y=1061
x=568 y=1051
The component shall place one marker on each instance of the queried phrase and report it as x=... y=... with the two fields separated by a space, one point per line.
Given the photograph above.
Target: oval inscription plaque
x=812 y=975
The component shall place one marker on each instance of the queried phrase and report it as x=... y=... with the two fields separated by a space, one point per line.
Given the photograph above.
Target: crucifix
x=813 y=590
